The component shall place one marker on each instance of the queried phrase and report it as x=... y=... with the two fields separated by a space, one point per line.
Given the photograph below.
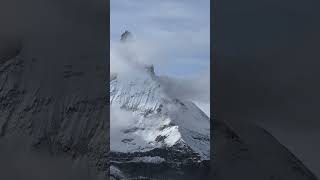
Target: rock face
x=243 y=150
x=55 y=111
x=52 y=87
x=125 y=36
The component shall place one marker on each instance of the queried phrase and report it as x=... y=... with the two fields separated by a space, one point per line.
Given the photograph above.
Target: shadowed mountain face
x=52 y=81
x=266 y=70
x=245 y=151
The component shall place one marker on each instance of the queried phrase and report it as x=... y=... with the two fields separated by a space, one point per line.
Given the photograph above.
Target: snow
x=116 y=173
x=205 y=107
x=149 y=159
x=144 y=117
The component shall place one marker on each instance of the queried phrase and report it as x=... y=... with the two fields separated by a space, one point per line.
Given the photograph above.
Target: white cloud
x=172 y=29
x=171 y=34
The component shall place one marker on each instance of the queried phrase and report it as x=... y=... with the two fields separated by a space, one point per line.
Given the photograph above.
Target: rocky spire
x=125 y=36
x=150 y=69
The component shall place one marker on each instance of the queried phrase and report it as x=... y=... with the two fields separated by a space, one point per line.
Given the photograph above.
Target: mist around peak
x=133 y=57
x=130 y=55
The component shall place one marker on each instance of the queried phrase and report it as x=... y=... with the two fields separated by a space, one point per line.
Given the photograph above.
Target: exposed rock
x=150 y=69
x=52 y=87
x=125 y=36
x=246 y=151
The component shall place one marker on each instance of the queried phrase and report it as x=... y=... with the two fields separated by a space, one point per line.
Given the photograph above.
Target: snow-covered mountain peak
x=144 y=117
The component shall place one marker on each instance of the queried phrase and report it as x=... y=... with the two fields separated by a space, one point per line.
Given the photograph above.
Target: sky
x=172 y=35
x=178 y=32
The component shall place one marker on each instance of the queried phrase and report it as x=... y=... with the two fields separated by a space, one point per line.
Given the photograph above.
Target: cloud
x=172 y=35
x=174 y=31
x=120 y=118
x=194 y=89
x=129 y=59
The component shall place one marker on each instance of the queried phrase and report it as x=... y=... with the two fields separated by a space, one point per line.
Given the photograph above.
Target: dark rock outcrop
x=125 y=36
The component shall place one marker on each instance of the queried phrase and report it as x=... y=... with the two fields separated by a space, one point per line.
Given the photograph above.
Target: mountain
x=243 y=149
x=52 y=111
x=157 y=119
x=148 y=126
x=168 y=138
x=48 y=68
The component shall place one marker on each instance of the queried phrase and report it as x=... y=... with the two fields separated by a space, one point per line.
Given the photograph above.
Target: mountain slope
x=155 y=119
x=47 y=80
x=151 y=130
x=245 y=150
x=57 y=120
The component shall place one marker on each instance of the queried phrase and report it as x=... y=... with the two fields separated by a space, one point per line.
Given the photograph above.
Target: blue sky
x=177 y=31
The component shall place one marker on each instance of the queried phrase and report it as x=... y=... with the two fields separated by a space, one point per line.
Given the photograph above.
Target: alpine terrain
x=154 y=135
